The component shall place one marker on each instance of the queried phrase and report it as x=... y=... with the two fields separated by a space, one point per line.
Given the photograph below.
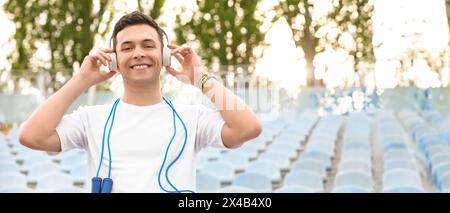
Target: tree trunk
x=447 y=4
x=139 y=4
x=448 y=11
x=309 y=57
x=309 y=43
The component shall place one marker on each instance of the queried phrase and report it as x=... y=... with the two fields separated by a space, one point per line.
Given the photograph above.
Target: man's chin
x=142 y=81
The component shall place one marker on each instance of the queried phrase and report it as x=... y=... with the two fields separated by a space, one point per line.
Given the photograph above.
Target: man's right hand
x=39 y=130
x=90 y=68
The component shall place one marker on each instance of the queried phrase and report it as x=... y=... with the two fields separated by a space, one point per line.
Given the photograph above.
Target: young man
x=146 y=132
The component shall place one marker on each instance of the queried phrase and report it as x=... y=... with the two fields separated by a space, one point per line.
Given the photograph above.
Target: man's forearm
x=47 y=116
x=237 y=115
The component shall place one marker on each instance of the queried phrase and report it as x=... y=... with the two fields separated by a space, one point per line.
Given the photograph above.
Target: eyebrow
x=145 y=40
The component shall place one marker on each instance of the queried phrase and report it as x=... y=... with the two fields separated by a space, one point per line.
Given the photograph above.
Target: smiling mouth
x=140 y=66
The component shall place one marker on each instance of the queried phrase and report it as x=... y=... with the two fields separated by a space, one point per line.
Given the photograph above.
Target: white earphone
x=112 y=65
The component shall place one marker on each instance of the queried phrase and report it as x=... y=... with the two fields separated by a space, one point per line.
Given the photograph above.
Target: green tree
x=354 y=18
x=348 y=16
x=298 y=14
x=447 y=3
x=67 y=27
x=227 y=31
x=153 y=7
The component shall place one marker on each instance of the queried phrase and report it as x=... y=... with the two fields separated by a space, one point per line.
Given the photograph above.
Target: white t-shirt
x=139 y=139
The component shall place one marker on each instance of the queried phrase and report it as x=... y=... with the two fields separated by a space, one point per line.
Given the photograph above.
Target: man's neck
x=142 y=96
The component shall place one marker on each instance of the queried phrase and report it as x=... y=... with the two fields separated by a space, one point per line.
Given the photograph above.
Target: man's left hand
x=192 y=68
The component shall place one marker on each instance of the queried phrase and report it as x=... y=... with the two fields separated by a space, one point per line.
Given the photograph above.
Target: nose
x=138 y=54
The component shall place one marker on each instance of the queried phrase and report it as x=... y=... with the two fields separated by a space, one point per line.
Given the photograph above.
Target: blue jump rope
x=105 y=185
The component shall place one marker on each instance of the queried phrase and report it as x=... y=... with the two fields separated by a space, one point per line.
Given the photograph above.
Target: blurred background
x=295 y=46
x=326 y=71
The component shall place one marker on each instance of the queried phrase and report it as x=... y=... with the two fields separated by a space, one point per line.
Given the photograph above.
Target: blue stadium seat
x=444 y=183
x=16 y=189
x=200 y=161
x=355 y=166
x=354 y=178
x=401 y=178
x=326 y=148
x=294 y=189
x=67 y=161
x=235 y=189
x=250 y=149
x=5 y=155
x=398 y=155
x=287 y=149
x=207 y=183
x=79 y=173
x=406 y=189
x=434 y=138
x=431 y=151
x=310 y=165
x=254 y=181
x=267 y=168
x=73 y=189
x=32 y=160
x=438 y=159
x=9 y=167
x=400 y=164
x=223 y=171
x=279 y=158
x=42 y=169
x=394 y=146
x=440 y=171
x=356 y=155
x=306 y=179
x=12 y=179
x=357 y=146
x=53 y=182
x=211 y=153
x=350 y=189
x=324 y=158
x=238 y=161
x=22 y=151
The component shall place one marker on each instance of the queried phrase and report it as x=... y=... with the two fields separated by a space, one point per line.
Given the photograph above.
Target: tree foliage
x=298 y=14
x=447 y=4
x=347 y=16
x=151 y=8
x=68 y=28
x=227 y=31
x=354 y=18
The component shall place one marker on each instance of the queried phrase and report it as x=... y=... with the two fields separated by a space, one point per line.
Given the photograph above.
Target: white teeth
x=140 y=66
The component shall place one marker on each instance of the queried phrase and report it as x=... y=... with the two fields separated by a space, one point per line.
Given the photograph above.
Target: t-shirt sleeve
x=71 y=130
x=209 y=128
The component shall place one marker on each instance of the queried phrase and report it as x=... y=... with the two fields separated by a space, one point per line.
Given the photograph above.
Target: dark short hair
x=135 y=18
